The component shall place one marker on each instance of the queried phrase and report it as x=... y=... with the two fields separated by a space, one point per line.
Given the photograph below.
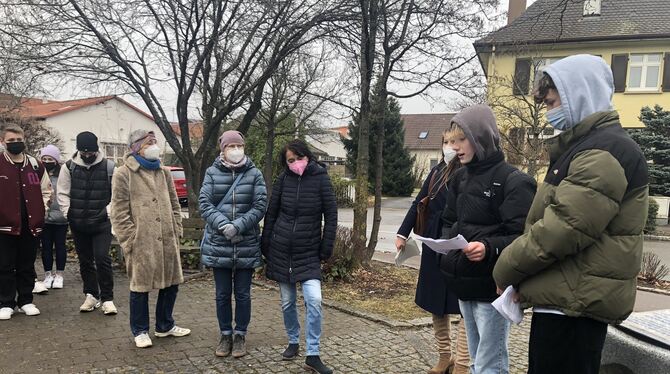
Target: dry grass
x=382 y=289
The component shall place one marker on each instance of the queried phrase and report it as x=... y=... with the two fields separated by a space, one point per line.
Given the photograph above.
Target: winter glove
x=228 y=230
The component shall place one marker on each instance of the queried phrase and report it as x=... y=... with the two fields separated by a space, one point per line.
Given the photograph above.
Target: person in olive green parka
x=577 y=261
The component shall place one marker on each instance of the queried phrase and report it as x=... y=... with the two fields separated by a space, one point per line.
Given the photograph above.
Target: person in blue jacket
x=233 y=199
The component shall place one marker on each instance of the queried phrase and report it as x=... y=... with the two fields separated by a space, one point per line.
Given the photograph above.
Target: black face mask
x=88 y=159
x=15 y=148
x=50 y=166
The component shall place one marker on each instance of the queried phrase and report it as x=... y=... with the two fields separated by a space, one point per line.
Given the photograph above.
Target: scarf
x=148 y=164
x=232 y=166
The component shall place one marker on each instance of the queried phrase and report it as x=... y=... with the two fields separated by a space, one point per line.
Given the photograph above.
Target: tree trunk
x=380 y=114
x=268 y=169
x=368 y=38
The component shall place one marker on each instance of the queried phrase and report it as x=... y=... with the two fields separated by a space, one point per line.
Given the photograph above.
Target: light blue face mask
x=557 y=118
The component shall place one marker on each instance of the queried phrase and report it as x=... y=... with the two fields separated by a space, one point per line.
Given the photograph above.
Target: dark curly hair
x=542 y=87
x=297 y=146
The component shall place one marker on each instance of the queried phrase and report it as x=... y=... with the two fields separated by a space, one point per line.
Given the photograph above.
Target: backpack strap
x=70 y=166
x=35 y=165
x=497 y=190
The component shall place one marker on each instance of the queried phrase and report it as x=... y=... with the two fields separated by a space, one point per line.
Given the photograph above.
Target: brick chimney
x=516 y=8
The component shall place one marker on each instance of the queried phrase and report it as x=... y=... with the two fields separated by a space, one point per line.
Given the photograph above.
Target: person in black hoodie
x=487 y=203
x=294 y=243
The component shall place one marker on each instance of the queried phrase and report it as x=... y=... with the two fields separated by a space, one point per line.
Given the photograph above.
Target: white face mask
x=235 y=155
x=448 y=152
x=153 y=152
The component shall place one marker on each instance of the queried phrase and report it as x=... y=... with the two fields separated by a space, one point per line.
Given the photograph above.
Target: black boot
x=290 y=352
x=239 y=346
x=313 y=363
x=225 y=346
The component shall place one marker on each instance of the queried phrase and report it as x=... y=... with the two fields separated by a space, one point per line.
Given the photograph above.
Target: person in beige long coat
x=147 y=222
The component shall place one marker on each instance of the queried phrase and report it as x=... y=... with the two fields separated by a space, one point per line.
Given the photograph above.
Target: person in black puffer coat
x=295 y=242
x=487 y=202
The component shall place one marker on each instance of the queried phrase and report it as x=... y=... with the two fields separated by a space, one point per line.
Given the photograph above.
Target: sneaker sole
x=239 y=354
x=5 y=319
x=165 y=335
x=89 y=310
x=30 y=315
x=144 y=346
x=110 y=313
x=221 y=354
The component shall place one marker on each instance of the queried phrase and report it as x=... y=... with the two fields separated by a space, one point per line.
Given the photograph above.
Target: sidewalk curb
x=660 y=238
x=654 y=290
x=389 y=322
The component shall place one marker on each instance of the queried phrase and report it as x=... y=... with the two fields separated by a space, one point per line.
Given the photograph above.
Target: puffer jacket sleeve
x=519 y=191
x=248 y=220
x=585 y=202
x=272 y=214
x=121 y=214
x=329 y=204
x=208 y=210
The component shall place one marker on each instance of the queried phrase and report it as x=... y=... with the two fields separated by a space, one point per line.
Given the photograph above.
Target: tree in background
x=397 y=175
x=654 y=140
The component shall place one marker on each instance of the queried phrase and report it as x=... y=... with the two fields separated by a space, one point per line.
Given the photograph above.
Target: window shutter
x=666 y=73
x=521 y=76
x=620 y=72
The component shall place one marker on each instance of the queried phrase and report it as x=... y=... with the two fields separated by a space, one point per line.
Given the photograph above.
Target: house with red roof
x=110 y=118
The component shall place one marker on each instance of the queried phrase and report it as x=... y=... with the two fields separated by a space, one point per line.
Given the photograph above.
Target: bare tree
x=212 y=54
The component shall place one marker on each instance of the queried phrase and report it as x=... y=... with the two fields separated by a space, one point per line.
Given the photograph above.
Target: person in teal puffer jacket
x=231 y=245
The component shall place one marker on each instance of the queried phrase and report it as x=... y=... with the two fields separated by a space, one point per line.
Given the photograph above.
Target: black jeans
x=54 y=236
x=225 y=280
x=95 y=263
x=561 y=344
x=17 y=269
x=139 y=310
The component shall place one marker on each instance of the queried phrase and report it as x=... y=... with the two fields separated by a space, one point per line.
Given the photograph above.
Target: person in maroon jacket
x=26 y=190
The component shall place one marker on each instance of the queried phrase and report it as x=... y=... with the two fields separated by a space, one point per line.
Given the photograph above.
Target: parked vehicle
x=179 y=178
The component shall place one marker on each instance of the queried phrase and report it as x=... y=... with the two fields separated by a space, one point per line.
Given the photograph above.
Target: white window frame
x=120 y=150
x=423 y=135
x=643 y=75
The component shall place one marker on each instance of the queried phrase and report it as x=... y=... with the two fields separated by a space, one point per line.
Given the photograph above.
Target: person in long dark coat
x=431 y=292
x=295 y=241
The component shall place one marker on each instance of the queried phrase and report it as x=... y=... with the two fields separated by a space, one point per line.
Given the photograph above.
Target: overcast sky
x=442 y=101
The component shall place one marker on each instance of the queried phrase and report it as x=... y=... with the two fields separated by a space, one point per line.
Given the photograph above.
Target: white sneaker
x=6 y=313
x=48 y=279
x=40 y=288
x=174 y=331
x=143 y=341
x=108 y=308
x=58 y=281
x=90 y=304
x=29 y=310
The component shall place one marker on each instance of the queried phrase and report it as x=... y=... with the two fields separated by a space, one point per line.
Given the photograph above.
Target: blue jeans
x=226 y=280
x=487 y=334
x=311 y=292
x=139 y=310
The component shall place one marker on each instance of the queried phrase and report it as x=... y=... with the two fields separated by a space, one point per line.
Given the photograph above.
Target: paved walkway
x=63 y=340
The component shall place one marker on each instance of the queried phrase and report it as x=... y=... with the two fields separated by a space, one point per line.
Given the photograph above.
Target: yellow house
x=632 y=36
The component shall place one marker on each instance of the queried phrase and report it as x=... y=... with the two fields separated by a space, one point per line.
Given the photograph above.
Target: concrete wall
x=663 y=209
x=111 y=121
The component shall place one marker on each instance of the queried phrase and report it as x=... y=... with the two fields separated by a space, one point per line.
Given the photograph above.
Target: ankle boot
x=444 y=365
x=290 y=352
x=314 y=364
x=225 y=346
x=239 y=346
x=460 y=369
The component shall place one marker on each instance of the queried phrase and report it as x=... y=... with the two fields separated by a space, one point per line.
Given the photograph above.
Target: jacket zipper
x=295 y=224
x=234 y=208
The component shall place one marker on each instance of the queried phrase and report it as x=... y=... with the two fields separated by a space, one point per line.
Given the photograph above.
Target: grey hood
x=585 y=85
x=479 y=125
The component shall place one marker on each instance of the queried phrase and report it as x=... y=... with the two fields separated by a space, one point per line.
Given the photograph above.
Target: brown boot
x=443 y=366
x=460 y=369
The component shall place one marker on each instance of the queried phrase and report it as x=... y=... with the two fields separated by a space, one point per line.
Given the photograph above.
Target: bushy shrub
x=342 y=190
x=652 y=270
x=650 y=226
x=343 y=262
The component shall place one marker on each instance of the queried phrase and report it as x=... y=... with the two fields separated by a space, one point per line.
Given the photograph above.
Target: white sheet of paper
x=506 y=306
x=411 y=249
x=444 y=245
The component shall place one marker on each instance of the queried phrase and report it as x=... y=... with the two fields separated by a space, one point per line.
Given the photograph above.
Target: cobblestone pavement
x=64 y=340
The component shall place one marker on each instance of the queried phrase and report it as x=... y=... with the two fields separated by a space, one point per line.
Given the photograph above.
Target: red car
x=179 y=178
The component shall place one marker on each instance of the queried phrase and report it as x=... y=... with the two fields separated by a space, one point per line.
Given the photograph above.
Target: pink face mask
x=298 y=166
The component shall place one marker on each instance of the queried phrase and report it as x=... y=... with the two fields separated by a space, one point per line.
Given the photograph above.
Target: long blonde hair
x=446 y=170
